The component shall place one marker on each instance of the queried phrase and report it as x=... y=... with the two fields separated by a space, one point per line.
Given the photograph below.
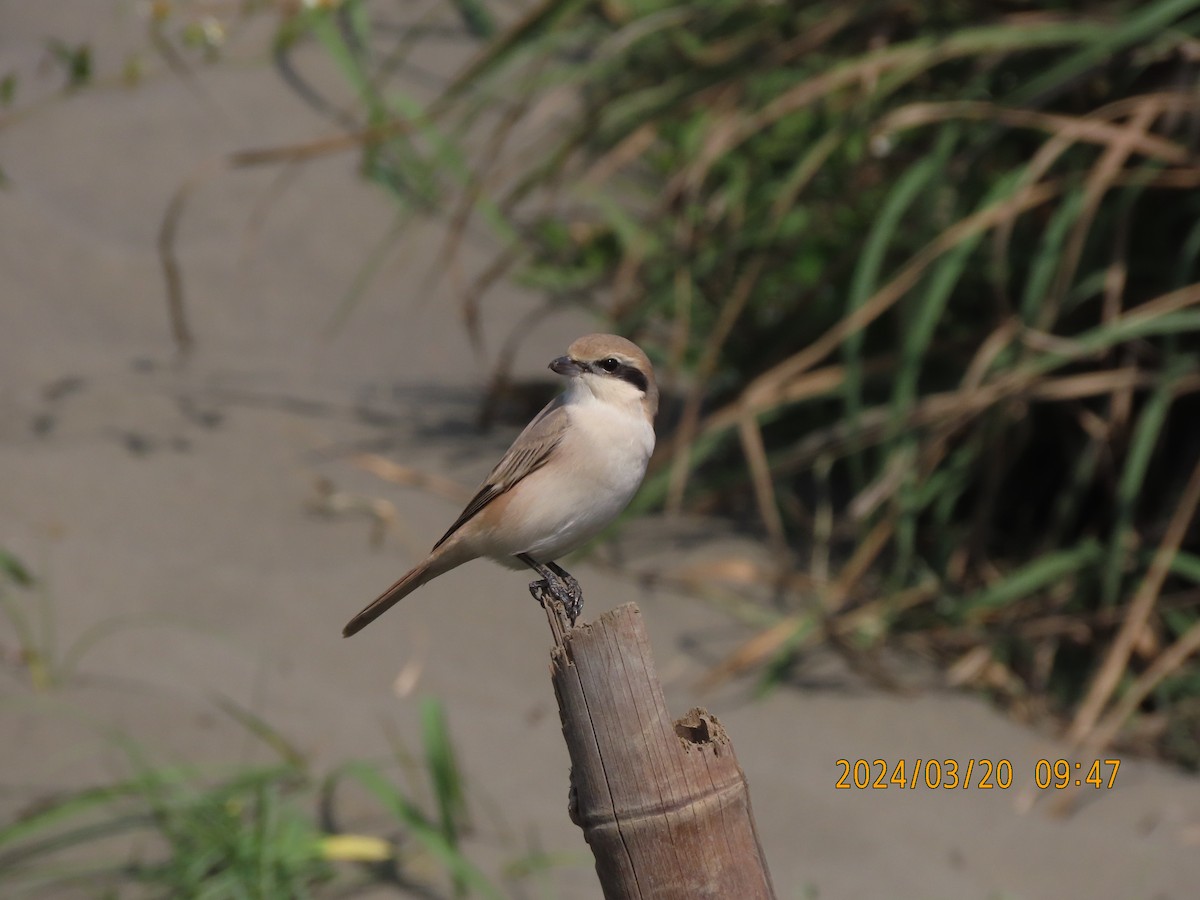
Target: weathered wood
x=664 y=805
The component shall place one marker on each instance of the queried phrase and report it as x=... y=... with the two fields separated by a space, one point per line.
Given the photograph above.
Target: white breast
x=592 y=476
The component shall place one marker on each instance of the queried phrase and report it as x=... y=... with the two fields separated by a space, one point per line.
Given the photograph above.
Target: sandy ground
x=176 y=495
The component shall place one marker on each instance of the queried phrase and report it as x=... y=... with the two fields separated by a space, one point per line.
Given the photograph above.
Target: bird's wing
x=528 y=453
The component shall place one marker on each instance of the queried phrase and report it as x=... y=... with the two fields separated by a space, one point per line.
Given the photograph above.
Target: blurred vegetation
x=31 y=615
x=923 y=276
x=272 y=830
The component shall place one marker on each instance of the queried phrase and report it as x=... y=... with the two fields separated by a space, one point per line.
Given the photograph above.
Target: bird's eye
x=610 y=364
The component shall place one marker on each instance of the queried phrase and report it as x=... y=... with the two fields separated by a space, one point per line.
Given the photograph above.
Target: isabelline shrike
x=566 y=476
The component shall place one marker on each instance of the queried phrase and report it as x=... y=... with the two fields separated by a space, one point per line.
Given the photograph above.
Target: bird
x=572 y=470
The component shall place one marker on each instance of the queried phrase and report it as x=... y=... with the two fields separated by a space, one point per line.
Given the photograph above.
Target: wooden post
x=663 y=804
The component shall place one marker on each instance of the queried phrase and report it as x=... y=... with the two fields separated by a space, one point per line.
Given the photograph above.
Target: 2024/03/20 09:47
x=982 y=774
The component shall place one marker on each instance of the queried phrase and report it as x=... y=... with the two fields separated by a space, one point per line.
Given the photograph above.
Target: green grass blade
x=1142 y=445
x=424 y=831
x=1049 y=254
x=1043 y=572
x=14 y=569
x=1185 y=565
x=1145 y=22
x=443 y=768
x=880 y=238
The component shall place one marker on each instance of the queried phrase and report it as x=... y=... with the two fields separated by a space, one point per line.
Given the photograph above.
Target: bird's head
x=613 y=369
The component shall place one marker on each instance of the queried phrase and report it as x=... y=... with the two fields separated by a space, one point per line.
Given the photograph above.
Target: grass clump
x=260 y=831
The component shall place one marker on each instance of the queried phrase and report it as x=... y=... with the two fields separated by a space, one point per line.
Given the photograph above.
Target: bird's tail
x=437 y=563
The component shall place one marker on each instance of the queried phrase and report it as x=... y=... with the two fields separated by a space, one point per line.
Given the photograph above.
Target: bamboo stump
x=663 y=804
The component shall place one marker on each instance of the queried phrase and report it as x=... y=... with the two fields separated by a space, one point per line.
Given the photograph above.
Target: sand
x=177 y=495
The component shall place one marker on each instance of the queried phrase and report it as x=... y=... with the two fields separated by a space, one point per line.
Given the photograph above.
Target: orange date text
x=931 y=774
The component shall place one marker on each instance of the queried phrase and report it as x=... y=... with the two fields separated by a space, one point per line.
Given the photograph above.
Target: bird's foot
x=541 y=591
x=561 y=588
x=556 y=584
x=572 y=598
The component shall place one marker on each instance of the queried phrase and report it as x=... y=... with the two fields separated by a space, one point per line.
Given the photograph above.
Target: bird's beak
x=564 y=365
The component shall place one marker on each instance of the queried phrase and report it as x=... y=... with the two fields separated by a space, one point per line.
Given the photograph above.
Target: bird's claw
x=573 y=601
x=541 y=591
x=561 y=588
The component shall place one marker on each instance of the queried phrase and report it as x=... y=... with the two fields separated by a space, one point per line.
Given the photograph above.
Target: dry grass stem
x=1136 y=616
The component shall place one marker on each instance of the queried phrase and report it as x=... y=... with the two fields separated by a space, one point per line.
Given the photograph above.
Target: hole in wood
x=698 y=727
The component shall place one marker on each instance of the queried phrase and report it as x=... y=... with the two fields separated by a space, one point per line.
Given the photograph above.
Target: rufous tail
x=436 y=564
